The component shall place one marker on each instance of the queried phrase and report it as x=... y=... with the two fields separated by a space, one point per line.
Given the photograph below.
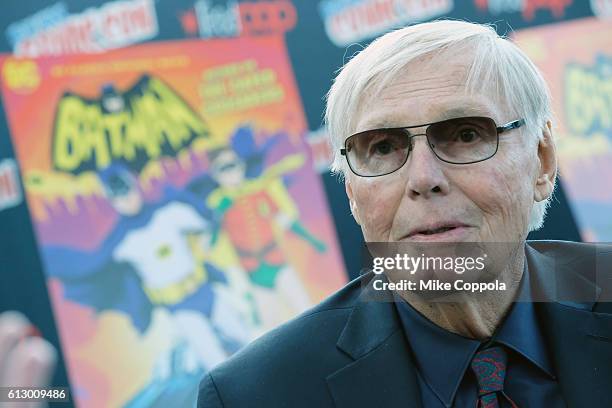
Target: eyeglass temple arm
x=512 y=125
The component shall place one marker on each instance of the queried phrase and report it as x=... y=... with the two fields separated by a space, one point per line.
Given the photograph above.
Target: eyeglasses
x=378 y=152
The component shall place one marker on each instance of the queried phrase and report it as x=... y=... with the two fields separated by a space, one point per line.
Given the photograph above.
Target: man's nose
x=424 y=171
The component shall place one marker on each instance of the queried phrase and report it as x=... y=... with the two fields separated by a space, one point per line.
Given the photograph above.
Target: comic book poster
x=576 y=61
x=176 y=208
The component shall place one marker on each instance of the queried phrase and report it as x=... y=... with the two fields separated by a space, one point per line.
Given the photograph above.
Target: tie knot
x=489 y=365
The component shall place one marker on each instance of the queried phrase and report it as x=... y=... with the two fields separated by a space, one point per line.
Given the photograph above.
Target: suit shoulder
x=589 y=255
x=586 y=269
x=571 y=250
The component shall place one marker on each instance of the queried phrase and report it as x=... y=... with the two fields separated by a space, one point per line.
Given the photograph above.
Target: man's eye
x=467 y=136
x=383 y=147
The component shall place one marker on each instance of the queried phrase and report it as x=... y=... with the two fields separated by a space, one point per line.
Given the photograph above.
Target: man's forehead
x=425 y=90
x=460 y=106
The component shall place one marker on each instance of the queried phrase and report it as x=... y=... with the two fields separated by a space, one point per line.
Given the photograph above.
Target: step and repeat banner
x=576 y=59
x=164 y=191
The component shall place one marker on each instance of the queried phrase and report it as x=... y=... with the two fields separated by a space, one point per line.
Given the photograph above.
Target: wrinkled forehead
x=457 y=107
x=424 y=91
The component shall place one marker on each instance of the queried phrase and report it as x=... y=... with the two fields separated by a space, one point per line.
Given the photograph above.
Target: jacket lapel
x=581 y=347
x=579 y=340
x=382 y=372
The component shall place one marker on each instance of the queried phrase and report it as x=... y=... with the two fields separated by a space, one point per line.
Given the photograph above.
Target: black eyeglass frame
x=515 y=124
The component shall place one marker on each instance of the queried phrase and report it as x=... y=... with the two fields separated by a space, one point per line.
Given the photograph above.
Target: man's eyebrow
x=460 y=111
x=390 y=121
x=467 y=109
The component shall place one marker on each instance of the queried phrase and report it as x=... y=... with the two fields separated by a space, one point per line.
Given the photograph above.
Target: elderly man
x=443 y=133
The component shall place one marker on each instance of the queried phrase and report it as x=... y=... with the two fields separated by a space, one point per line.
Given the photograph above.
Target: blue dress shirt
x=443 y=358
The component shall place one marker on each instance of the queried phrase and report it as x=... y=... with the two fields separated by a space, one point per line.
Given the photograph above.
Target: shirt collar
x=442 y=357
x=520 y=330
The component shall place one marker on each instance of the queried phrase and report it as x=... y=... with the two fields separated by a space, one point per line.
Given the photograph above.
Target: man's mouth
x=442 y=231
x=435 y=231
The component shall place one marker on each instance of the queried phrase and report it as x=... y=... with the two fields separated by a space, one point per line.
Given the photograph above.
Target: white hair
x=498 y=67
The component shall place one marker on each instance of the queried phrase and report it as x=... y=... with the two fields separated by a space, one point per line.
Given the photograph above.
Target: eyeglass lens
x=459 y=141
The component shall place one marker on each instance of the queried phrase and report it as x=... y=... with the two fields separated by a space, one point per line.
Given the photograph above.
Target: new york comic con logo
x=349 y=21
x=53 y=31
x=528 y=8
x=144 y=123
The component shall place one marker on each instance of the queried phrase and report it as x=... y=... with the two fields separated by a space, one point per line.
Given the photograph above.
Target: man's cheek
x=379 y=220
x=372 y=222
x=504 y=201
x=489 y=195
x=369 y=196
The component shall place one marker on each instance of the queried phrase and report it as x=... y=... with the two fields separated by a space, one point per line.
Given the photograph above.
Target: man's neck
x=473 y=315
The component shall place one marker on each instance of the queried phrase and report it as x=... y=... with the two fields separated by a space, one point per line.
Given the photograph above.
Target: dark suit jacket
x=346 y=352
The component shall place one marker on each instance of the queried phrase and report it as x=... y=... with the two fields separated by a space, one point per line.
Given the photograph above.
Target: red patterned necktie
x=489 y=365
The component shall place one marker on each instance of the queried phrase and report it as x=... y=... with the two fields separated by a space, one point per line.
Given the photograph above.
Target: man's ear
x=547 y=172
x=352 y=203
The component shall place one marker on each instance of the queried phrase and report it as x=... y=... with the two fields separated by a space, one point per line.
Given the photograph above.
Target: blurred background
x=164 y=190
